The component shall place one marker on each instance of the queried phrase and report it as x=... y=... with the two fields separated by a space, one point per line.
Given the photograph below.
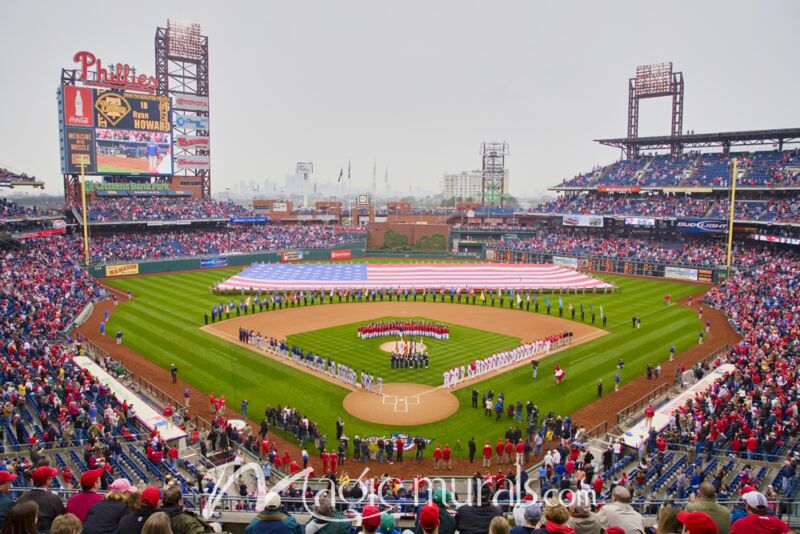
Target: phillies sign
x=115 y=76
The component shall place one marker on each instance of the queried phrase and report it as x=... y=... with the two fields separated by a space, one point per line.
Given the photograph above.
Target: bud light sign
x=702 y=226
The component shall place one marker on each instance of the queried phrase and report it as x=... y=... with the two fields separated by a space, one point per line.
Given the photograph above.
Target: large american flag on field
x=269 y=276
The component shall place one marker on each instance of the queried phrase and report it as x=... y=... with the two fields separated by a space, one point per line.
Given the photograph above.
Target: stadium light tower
x=182 y=73
x=493 y=178
x=653 y=81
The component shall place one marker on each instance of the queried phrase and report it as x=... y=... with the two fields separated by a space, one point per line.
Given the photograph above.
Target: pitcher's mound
x=402 y=404
x=389 y=346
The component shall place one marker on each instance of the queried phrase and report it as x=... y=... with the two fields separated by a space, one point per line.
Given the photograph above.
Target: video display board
x=115 y=132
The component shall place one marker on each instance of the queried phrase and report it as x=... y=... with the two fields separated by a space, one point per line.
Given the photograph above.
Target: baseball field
x=164 y=323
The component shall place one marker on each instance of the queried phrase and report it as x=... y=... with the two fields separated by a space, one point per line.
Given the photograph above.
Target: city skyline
x=409 y=86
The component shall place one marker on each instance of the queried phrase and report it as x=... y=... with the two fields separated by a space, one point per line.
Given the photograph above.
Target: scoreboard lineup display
x=115 y=132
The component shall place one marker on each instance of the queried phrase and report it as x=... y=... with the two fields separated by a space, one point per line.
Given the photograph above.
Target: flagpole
x=731 y=215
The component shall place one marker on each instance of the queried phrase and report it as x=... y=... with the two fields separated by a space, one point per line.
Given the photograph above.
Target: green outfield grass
x=341 y=344
x=162 y=323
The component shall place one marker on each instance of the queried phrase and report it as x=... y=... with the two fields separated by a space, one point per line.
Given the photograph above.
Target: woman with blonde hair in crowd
x=158 y=523
x=556 y=516
x=104 y=516
x=499 y=525
x=66 y=524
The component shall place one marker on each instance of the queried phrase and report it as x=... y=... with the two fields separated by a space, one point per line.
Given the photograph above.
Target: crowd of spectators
x=763 y=168
x=639 y=206
x=43 y=286
x=754 y=411
x=12 y=210
x=163 y=209
x=703 y=252
x=773 y=209
x=143 y=245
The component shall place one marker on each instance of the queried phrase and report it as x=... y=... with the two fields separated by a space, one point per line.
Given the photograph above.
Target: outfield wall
x=351 y=250
x=624 y=266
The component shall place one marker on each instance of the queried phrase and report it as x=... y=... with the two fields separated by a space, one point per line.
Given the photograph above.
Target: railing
x=635 y=407
x=720 y=352
x=600 y=430
x=788 y=509
x=157 y=393
x=143 y=384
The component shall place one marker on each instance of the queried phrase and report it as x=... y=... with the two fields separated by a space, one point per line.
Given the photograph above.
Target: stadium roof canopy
x=779 y=137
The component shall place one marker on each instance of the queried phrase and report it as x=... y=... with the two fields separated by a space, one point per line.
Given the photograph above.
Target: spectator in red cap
x=429 y=518
x=50 y=506
x=133 y=522
x=758 y=520
x=80 y=503
x=697 y=523
x=370 y=519
x=6 y=502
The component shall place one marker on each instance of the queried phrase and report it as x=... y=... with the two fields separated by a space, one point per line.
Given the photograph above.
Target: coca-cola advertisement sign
x=78 y=106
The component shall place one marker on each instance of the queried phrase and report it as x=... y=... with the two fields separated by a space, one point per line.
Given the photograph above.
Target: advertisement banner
x=583 y=220
x=571 y=263
x=305 y=168
x=200 y=142
x=292 y=255
x=618 y=189
x=702 y=226
x=78 y=106
x=33 y=234
x=640 y=221
x=207 y=263
x=124 y=186
x=191 y=122
x=79 y=148
x=190 y=102
x=680 y=273
x=776 y=239
x=341 y=254
x=243 y=220
x=187 y=161
x=132 y=111
x=122 y=269
x=280 y=206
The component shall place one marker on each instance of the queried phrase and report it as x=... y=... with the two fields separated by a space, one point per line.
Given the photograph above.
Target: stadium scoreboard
x=115 y=132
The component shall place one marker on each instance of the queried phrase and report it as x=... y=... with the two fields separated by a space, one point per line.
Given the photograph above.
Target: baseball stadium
x=619 y=356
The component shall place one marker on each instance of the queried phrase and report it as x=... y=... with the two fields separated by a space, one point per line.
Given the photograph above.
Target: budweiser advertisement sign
x=341 y=254
x=190 y=141
x=192 y=162
x=92 y=72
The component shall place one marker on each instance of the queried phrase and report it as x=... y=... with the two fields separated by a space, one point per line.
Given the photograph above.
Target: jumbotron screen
x=115 y=132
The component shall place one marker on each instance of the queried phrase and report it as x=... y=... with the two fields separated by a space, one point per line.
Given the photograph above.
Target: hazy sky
x=416 y=84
